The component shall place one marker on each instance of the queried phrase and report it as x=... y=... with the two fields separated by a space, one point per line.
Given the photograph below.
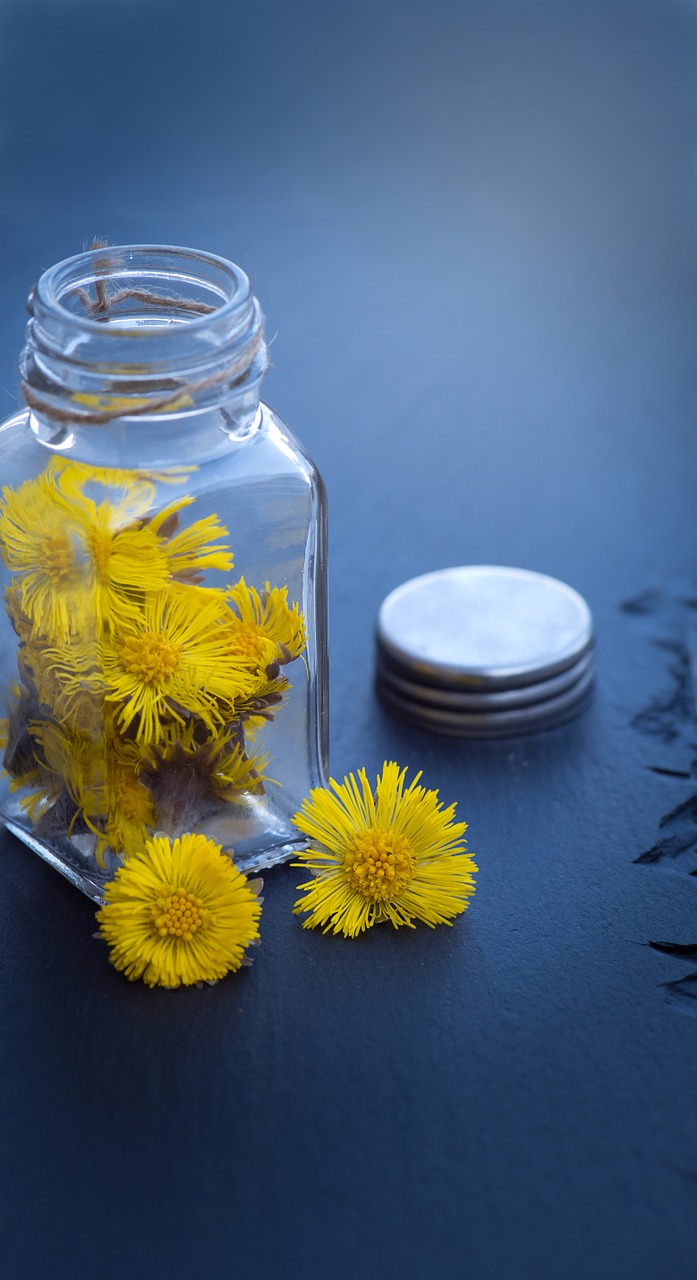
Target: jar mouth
x=70 y=291
x=131 y=330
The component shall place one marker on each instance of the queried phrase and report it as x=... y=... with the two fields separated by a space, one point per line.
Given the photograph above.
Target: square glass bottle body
x=163 y=651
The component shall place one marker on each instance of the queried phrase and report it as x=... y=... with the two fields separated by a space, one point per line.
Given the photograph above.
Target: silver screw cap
x=484 y=651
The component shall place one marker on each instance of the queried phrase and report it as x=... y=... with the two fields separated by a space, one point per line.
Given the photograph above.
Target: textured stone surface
x=472 y=227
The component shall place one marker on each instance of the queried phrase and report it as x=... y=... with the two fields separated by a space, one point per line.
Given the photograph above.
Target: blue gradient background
x=472 y=228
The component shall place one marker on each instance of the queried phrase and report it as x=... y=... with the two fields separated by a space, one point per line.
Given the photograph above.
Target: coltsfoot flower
x=77 y=562
x=195 y=548
x=389 y=854
x=179 y=912
x=173 y=664
x=264 y=626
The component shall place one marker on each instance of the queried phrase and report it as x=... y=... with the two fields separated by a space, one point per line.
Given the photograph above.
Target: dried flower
x=140 y=689
x=394 y=855
x=195 y=548
x=173 y=661
x=77 y=562
x=179 y=912
x=265 y=626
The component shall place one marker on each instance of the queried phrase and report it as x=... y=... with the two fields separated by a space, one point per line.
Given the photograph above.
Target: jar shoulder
x=22 y=454
x=268 y=449
x=287 y=447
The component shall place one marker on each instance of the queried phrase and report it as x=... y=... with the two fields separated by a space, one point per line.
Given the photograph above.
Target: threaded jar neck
x=122 y=333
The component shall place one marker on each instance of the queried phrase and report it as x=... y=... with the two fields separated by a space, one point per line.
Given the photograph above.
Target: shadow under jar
x=163 y=541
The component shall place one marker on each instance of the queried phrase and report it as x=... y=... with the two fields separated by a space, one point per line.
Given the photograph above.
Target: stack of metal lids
x=483 y=651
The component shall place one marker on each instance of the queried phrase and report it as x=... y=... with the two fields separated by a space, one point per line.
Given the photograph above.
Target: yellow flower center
x=379 y=864
x=100 y=545
x=250 y=645
x=150 y=656
x=58 y=557
x=180 y=915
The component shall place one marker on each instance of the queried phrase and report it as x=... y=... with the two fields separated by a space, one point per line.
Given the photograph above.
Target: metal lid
x=488 y=700
x=483 y=627
x=497 y=724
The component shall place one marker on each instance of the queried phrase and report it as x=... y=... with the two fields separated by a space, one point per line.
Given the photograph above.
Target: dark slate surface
x=472 y=227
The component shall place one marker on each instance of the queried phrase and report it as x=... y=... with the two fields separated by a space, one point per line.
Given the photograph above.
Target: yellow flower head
x=101 y=777
x=219 y=759
x=78 y=761
x=263 y=703
x=83 y=562
x=171 y=664
x=234 y=773
x=195 y=548
x=38 y=545
x=392 y=854
x=78 y=563
x=66 y=681
x=178 y=913
x=194 y=771
x=67 y=778
x=264 y=627
x=130 y=815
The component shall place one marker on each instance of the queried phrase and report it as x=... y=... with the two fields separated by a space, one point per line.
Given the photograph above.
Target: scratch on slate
x=645 y=602
x=669 y=773
x=685 y=950
x=665 y=717
x=672 y=717
x=682 y=991
x=680 y=826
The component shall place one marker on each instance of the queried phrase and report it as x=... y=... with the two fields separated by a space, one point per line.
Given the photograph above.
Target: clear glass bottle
x=163 y=650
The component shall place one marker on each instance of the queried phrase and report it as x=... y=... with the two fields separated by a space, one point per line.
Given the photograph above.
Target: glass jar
x=163 y=538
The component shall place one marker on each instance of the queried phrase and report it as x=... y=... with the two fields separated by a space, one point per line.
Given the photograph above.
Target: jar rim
x=51 y=290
